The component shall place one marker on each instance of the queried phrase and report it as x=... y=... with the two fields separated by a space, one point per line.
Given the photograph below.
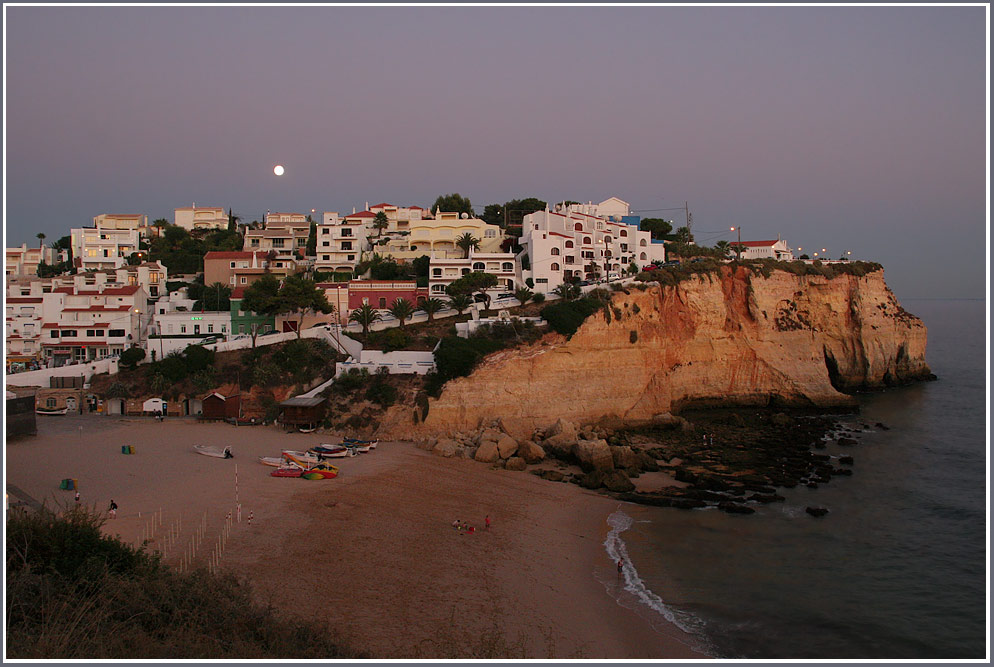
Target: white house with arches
x=443 y=271
x=561 y=246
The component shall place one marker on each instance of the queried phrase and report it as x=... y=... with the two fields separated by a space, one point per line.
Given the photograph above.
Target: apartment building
x=442 y=271
x=561 y=246
x=200 y=217
x=340 y=243
x=93 y=323
x=135 y=221
x=150 y=276
x=282 y=234
x=381 y=294
x=439 y=235
x=103 y=247
x=400 y=218
x=24 y=261
x=240 y=268
x=775 y=249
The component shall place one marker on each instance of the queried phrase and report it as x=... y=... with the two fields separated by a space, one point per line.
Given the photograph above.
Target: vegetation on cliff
x=74 y=593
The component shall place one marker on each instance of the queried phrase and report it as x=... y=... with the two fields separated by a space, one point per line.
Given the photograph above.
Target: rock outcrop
x=729 y=339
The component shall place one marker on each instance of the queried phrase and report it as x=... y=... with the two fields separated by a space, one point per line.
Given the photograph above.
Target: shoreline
x=372 y=553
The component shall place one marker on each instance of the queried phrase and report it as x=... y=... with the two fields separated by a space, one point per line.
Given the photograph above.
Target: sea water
x=895 y=570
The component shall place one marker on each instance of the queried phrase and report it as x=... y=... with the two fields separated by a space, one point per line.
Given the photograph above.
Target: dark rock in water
x=812 y=485
x=848 y=442
x=767 y=498
x=682 y=475
x=593 y=480
x=821 y=457
x=735 y=508
x=661 y=501
x=842 y=471
x=816 y=511
x=882 y=427
x=819 y=444
x=765 y=490
x=846 y=460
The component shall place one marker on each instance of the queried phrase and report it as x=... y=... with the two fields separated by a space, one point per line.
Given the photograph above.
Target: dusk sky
x=849 y=128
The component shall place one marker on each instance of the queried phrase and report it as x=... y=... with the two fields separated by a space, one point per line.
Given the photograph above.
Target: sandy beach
x=371 y=554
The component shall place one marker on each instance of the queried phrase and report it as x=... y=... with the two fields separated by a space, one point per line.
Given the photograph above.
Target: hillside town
x=123 y=282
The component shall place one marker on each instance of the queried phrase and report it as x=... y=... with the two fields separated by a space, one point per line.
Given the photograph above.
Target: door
x=71 y=404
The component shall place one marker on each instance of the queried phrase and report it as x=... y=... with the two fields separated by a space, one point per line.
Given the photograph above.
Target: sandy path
x=372 y=553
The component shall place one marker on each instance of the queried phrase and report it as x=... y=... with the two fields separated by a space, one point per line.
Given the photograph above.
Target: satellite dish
x=464 y=216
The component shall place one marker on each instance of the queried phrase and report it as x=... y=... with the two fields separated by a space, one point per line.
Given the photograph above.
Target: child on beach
x=113 y=509
x=77 y=497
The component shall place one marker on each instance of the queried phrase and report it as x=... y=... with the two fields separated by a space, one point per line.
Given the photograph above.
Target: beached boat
x=326 y=470
x=308 y=430
x=362 y=449
x=217 y=452
x=51 y=411
x=287 y=471
x=304 y=459
x=356 y=441
x=324 y=451
x=274 y=461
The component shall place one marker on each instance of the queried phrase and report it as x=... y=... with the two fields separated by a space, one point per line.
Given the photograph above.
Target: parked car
x=504 y=295
x=613 y=276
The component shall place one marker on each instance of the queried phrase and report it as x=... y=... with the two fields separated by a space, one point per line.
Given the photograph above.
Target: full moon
x=278 y=170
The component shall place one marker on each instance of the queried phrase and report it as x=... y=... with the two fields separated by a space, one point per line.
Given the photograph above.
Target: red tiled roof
x=98 y=309
x=381 y=206
x=23 y=299
x=361 y=214
x=415 y=207
x=234 y=254
x=565 y=236
x=73 y=325
x=126 y=290
x=238 y=292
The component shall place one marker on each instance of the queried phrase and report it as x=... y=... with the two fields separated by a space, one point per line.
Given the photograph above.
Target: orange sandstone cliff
x=729 y=339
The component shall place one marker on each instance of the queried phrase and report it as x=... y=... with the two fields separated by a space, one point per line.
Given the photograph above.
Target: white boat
x=211 y=450
x=274 y=461
x=306 y=459
x=325 y=451
x=51 y=411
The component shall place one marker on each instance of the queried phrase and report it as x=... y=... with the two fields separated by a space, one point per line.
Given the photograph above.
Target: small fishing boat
x=51 y=411
x=287 y=471
x=274 y=461
x=310 y=429
x=325 y=470
x=217 y=452
x=304 y=459
x=325 y=451
x=362 y=449
x=356 y=441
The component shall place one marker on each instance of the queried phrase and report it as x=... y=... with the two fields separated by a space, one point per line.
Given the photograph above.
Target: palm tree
x=41 y=240
x=466 y=242
x=380 y=222
x=724 y=246
x=523 y=295
x=365 y=315
x=431 y=306
x=401 y=309
x=461 y=302
x=568 y=291
x=159 y=225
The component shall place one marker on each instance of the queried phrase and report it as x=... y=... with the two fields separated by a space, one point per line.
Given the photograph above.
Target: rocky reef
x=735 y=338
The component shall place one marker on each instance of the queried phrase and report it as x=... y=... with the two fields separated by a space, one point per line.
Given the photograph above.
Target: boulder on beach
x=446 y=447
x=625 y=457
x=515 y=463
x=487 y=452
x=593 y=455
x=531 y=452
x=562 y=427
x=559 y=445
x=506 y=446
x=489 y=435
x=618 y=481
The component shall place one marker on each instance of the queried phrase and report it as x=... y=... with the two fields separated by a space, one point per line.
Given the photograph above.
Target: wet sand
x=371 y=554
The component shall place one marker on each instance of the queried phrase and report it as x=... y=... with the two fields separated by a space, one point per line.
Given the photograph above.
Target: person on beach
x=487 y=522
x=621 y=565
x=471 y=530
x=455 y=524
x=113 y=509
x=77 y=497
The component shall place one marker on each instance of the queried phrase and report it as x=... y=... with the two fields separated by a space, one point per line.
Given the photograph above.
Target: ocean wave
x=617 y=550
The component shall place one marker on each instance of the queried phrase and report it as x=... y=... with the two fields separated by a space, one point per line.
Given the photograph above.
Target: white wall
x=41 y=378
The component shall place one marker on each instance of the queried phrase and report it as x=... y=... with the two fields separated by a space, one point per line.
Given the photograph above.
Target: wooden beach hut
x=216 y=405
x=301 y=412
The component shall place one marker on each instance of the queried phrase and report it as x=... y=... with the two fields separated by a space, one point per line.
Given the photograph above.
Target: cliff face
x=733 y=339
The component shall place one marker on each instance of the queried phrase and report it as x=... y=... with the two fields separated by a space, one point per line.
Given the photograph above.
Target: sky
x=860 y=129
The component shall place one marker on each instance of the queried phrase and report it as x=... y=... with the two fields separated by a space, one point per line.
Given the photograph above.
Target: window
x=569 y=244
x=490 y=234
x=351 y=258
x=254 y=243
x=326 y=257
x=586 y=240
x=578 y=227
x=279 y=243
x=436 y=273
x=624 y=233
x=554 y=251
x=153 y=277
x=465 y=272
x=347 y=232
x=153 y=290
x=325 y=244
x=116 y=333
x=244 y=280
x=50 y=402
x=210 y=328
x=55 y=333
x=232 y=265
x=479 y=266
x=438 y=289
x=541 y=281
x=554 y=267
x=224 y=328
x=69 y=333
x=607 y=239
x=570 y=259
x=196 y=328
x=365 y=300
x=182 y=328
x=325 y=231
x=642 y=257
x=92 y=333
x=383 y=302
x=301 y=242
x=507 y=266
x=642 y=242
x=346 y=245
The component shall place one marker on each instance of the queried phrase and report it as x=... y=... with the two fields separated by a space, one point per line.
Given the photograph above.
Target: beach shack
x=216 y=405
x=301 y=412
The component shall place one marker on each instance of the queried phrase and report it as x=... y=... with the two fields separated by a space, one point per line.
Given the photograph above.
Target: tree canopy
x=453 y=203
x=510 y=214
x=299 y=296
x=659 y=229
x=471 y=283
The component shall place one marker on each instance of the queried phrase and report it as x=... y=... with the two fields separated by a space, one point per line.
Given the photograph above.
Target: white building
x=776 y=249
x=92 y=324
x=398 y=217
x=558 y=247
x=200 y=217
x=340 y=243
x=176 y=329
x=24 y=261
x=611 y=208
x=150 y=276
x=439 y=234
x=136 y=221
x=443 y=271
x=102 y=247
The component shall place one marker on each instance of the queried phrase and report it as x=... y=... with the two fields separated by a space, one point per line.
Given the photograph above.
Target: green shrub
x=390 y=340
x=382 y=393
x=538 y=298
x=197 y=358
x=131 y=357
x=350 y=380
x=565 y=317
x=457 y=357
